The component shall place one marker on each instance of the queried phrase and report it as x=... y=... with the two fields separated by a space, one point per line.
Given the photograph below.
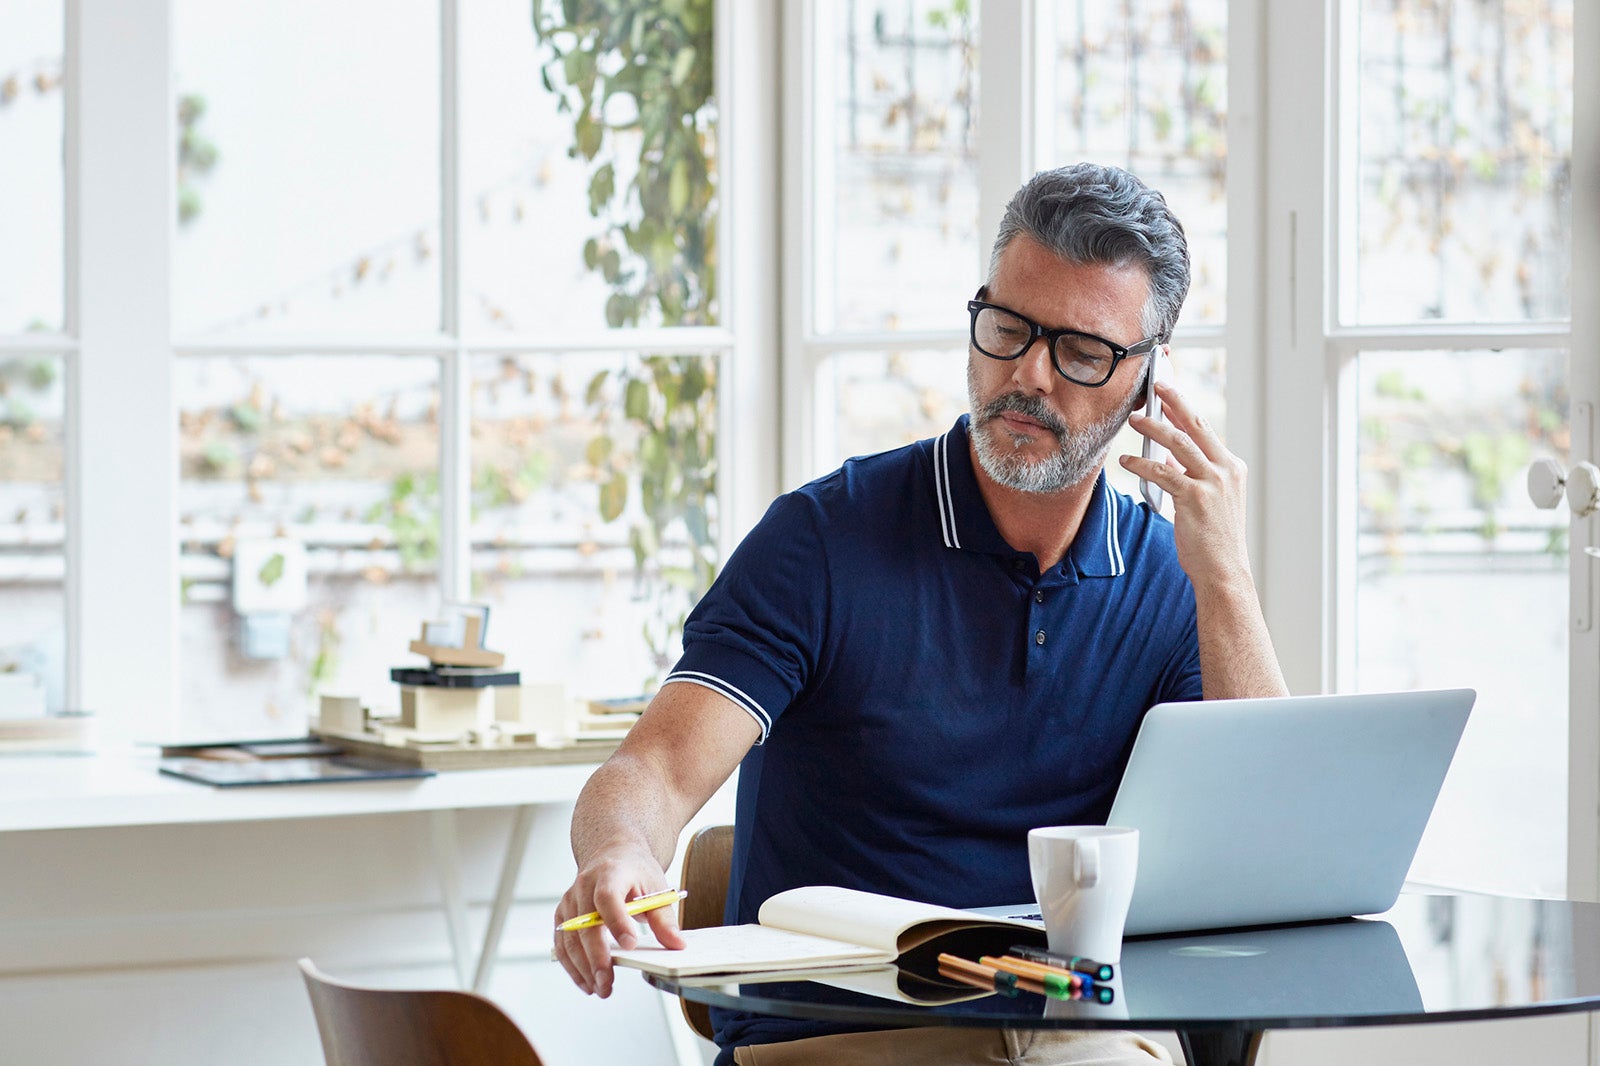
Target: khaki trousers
x=936 y=1046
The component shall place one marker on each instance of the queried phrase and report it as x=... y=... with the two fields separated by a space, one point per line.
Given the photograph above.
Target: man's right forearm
x=626 y=824
x=629 y=803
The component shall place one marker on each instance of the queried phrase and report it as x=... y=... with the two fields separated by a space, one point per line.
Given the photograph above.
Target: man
x=930 y=651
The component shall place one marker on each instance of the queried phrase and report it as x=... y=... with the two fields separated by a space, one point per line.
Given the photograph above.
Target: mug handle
x=1086 y=862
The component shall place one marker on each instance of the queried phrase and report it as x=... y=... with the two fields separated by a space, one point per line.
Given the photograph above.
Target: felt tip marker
x=977 y=974
x=1100 y=971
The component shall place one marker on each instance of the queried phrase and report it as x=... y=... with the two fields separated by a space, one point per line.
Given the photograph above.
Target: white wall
x=177 y=945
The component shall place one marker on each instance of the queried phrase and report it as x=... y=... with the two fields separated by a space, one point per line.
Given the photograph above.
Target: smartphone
x=1160 y=370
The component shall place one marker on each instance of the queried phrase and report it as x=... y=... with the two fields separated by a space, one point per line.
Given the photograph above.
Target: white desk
x=116 y=789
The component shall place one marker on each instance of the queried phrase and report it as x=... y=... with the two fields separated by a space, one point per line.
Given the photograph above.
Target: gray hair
x=1086 y=213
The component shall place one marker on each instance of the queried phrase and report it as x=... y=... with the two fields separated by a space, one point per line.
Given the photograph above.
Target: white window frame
x=1309 y=381
x=1290 y=387
x=1015 y=138
x=122 y=586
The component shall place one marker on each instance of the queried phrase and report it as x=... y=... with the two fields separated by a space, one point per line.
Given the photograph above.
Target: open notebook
x=825 y=927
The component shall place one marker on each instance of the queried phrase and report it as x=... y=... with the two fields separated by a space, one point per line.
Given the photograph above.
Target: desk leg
x=446 y=857
x=1219 y=1047
x=505 y=893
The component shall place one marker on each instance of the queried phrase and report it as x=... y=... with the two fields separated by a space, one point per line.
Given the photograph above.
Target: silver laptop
x=1260 y=811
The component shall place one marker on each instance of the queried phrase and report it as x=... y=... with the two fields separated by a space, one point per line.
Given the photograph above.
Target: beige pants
x=937 y=1046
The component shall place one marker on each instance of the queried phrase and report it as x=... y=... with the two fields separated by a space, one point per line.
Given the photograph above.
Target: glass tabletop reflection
x=1450 y=957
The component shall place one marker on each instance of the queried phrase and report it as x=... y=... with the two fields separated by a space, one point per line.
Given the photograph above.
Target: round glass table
x=1432 y=958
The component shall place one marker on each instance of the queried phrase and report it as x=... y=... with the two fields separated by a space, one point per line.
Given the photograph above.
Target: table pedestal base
x=1219 y=1047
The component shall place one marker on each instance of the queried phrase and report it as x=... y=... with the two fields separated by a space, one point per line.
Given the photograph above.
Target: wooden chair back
x=706 y=864
x=386 y=1027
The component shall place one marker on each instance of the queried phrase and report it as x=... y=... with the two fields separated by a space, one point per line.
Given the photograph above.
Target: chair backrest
x=706 y=863
x=387 y=1027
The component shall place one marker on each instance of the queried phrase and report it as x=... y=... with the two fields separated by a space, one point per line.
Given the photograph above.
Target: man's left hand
x=1207 y=485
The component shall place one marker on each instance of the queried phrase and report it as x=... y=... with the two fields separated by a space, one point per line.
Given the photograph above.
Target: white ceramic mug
x=1083 y=879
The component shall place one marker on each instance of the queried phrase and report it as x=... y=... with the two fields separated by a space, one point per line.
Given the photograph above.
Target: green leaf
x=678 y=188
x=589 y=135
x=636 y=542
x=591 y=253
x=682 y=66
x=694 y=381
x=620 y=309
x=602 y=186
x=271 y=571
x=613 y=497
x=246 y=416
x=679 y=577
x=636 y=401
x=574 y=66
x=41 y=374
x=653 y=453
x=599 y=450
x=218 y=456
x=591 y=395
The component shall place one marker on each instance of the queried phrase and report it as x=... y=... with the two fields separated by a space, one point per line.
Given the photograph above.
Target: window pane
x=32 y=110
x=1144 y=85
x=1464 y=197
x=308 y=165
x=869 y=402
x=897 y=212
x=1461 y=581
x=555 y=240
x=327 y=462
x=595 y=510
x=32 y=499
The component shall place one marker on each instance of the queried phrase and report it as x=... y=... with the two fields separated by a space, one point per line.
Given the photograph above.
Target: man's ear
x=1144 y=380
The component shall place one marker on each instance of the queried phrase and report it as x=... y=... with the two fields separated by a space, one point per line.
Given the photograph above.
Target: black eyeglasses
x=1081 y=358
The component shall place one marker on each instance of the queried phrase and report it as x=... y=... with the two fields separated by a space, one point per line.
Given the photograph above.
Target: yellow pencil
x=640 y=905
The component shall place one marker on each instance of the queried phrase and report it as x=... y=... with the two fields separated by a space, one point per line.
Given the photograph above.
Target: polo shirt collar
x=965 y=523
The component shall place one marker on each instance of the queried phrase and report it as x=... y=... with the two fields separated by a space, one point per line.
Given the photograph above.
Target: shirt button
x=1038 y=638
x=1038 y=597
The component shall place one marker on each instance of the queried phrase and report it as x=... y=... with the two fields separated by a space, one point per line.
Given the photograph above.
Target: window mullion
x=1299 y=466
x=122 y=566
x=455 y=372
x=807 y=31
x=1247 y=224
x=1006 y=131
x=748 y=373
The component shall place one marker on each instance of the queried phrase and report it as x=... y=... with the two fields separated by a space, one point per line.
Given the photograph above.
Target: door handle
x=1548 y=484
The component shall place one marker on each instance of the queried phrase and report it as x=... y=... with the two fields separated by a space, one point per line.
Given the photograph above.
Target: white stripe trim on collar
x=1113 y=537
x=941 y=484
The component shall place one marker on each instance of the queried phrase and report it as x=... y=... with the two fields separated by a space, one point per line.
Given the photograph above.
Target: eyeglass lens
x=1004 y=336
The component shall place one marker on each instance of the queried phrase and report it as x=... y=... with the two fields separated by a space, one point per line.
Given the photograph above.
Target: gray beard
x=1079 y=454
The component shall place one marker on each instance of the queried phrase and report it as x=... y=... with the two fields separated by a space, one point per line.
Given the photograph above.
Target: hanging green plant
x=197 y=156
x=636 y=78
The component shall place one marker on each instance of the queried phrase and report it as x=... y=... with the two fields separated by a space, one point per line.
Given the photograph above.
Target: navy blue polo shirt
x=925 y=694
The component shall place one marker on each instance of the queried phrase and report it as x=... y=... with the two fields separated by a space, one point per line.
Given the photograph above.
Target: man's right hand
x=605 y=885
x=630 y=815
